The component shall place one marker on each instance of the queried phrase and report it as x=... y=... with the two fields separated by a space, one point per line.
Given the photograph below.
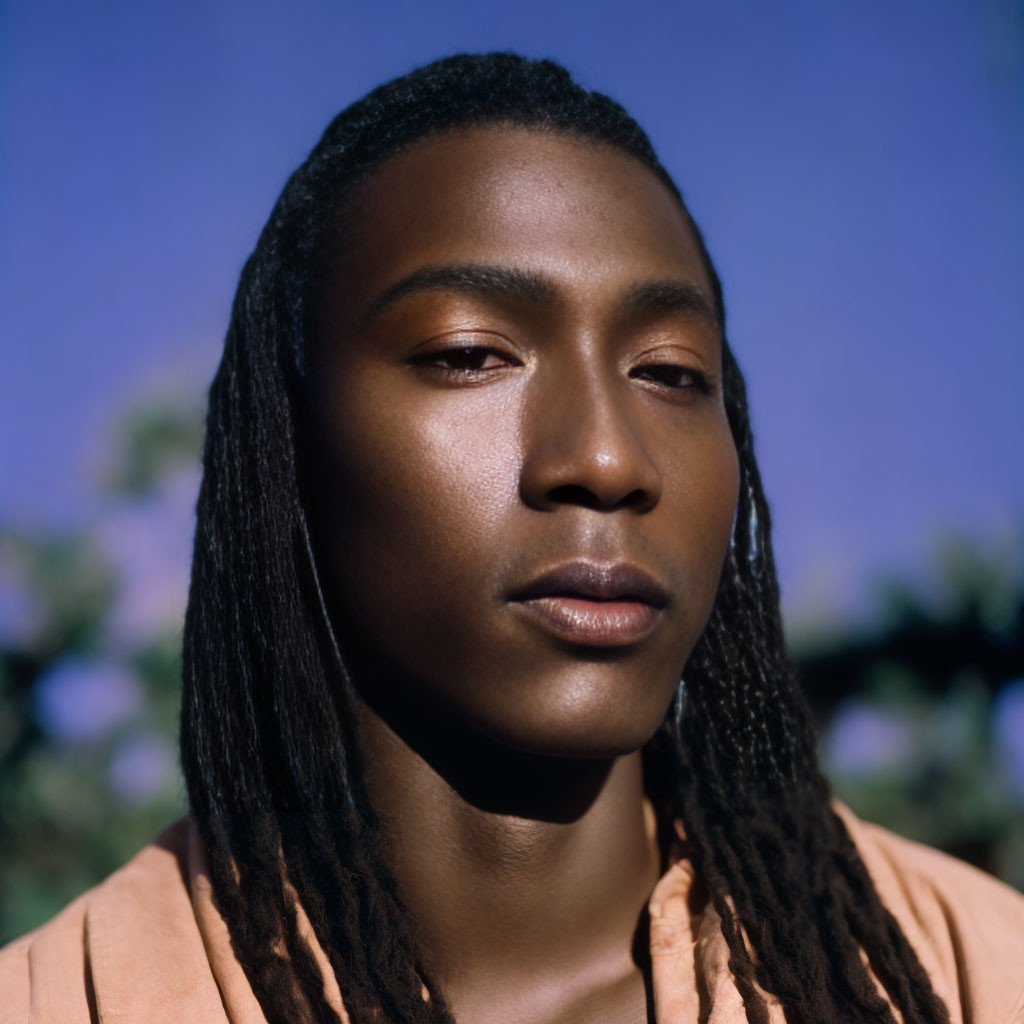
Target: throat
x=531 y=899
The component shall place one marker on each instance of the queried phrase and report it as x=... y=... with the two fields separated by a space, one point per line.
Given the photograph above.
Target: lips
x=594 y=604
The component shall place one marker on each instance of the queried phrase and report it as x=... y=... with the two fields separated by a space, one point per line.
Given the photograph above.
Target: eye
x=465 y=362
x=471 y=358
x=673 y=375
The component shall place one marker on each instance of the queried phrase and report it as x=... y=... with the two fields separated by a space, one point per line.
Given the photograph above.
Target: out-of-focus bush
x=922 y=717
x=90 y=628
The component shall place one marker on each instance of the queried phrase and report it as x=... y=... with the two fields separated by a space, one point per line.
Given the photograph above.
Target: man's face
x=525 y=482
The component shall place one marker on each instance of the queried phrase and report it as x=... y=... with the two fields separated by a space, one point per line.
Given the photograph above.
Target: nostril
x=636 y=499
x=575 y=494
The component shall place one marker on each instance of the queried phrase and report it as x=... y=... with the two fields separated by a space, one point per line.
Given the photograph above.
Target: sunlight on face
x=527 y=479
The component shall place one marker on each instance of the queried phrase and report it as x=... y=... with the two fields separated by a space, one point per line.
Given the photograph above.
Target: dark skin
x=517 y=368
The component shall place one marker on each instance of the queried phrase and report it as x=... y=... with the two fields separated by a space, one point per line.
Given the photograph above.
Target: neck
x=518 y=872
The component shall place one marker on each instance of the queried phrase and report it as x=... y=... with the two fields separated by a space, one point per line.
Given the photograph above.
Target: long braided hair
x=268 y=744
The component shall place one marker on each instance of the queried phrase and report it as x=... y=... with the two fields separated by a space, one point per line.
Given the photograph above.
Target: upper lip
x=596 y=582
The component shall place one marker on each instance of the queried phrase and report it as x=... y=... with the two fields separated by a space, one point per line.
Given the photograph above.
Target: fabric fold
x=148 y=944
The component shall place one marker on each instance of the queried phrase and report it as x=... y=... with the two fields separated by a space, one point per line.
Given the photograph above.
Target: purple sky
x=856 y=168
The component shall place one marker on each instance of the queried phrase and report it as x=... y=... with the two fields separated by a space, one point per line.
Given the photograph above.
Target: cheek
x=707 y=493
x=719 y=482
x=435 y=487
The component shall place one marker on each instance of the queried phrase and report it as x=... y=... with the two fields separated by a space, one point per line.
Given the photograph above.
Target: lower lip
x=595 y=623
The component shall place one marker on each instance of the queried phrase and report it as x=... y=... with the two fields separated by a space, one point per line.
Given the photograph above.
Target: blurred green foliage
x=918 y=725
x=86 y=783
x=922 y=716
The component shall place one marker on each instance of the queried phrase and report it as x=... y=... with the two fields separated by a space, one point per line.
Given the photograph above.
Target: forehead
x=576 y=211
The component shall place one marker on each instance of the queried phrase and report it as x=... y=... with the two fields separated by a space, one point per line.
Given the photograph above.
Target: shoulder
x=966 y=927
x=42 y=974
x=129 y=948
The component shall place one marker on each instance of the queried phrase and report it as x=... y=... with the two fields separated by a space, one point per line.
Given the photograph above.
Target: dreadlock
x=268 y=744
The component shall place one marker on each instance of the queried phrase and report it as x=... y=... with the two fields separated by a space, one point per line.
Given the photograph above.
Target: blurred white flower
x=149 y=543
x=1008 y=734
x=141 y=767
x=80 y=699
x=863 y=738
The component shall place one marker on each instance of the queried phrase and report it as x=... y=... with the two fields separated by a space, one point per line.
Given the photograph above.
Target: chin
x=595 y=731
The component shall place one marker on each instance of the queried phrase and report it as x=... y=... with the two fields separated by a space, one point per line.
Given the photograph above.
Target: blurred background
x=857 y=171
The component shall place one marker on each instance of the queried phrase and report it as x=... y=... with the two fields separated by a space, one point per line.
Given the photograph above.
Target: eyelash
x=465 y=354
x=656 y=372
x=680 y=377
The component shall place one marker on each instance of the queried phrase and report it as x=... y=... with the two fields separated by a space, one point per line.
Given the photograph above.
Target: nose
x=584 y=446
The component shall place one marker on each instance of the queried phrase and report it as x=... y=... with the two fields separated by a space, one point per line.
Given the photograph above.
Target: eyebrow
x=651 y=298
x=470 y=279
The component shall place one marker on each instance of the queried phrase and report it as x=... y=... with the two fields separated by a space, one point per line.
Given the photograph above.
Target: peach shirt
x=147 y=945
